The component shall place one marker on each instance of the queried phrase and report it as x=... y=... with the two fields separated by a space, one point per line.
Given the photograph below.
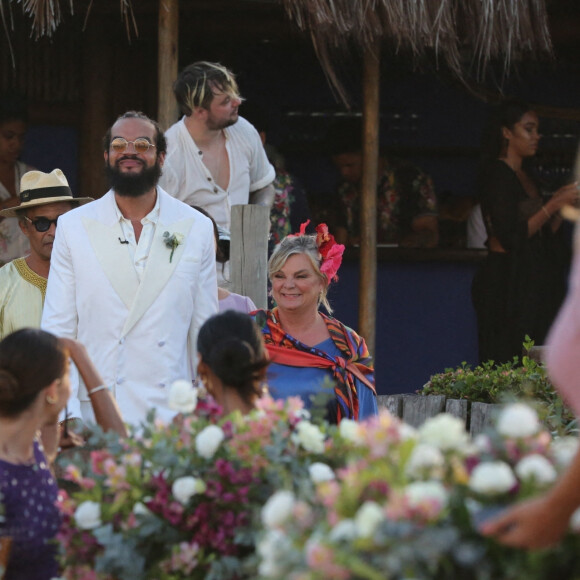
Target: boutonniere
x=172 y=241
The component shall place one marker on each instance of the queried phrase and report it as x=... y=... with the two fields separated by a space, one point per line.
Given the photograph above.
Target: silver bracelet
x=97 y=389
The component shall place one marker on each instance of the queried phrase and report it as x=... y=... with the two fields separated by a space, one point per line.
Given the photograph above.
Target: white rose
x=419 y=492
x=518 y=420
x=88 y=515
x=350 y=430
x=182 y=397
x=407 y=431
x=536 y=467
x=482 y=443
x=208 y=440
x=424 y=458
x=367 y=519
x=272 y=548
x=445 y=432
x=184 y=488
x=564 y=449
x=493 y=477
x=320 y=472
x=140 y=509
x=575 y=521
x=309 y=436
x=344 y=530
x=278 y=509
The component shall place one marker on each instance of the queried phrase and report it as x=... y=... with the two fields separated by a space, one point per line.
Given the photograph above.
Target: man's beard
x=219 y=125
x=133 y=184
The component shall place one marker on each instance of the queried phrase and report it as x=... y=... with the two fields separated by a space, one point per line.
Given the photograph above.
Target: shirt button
x=122 y=341
x=215 y=189
x=161 y=343
x=199 y=153
x=120 y=380
x=209 y=178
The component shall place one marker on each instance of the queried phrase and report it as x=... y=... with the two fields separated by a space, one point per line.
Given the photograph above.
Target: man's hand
x=534 y=524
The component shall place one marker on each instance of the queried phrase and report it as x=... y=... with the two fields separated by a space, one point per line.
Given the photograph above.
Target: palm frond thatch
x=486 y=29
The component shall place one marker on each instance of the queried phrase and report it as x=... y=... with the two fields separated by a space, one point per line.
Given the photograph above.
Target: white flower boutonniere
x=172 y=241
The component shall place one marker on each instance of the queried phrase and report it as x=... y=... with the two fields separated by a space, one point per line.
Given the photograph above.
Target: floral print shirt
x=404 y=192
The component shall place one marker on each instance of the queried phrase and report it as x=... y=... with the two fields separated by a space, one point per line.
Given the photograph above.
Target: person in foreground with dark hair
x=305 y=346
x=133 y=277
x=521 y=284
x=34 y=389
x=233 y=360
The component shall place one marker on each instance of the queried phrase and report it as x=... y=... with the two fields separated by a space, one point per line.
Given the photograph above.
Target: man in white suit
x=133 y=277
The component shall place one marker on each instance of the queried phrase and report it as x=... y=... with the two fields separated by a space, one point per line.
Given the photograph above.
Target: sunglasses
x=120 y=145
x=42 y=224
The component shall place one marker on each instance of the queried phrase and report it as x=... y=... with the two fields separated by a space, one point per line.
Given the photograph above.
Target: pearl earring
x=51 y=400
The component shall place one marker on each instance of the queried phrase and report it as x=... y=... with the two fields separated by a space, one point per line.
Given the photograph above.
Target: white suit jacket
x=140 y=335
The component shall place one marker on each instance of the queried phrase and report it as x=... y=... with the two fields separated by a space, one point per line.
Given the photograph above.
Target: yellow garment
x=22 y=294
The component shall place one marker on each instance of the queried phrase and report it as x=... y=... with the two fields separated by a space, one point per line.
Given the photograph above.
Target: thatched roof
x=464 y=35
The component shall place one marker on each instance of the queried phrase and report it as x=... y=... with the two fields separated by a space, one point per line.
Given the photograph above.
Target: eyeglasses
x=42 y=224
x=120 y=145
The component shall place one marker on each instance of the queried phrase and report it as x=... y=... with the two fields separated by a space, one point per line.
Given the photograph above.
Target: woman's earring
x=51 y=400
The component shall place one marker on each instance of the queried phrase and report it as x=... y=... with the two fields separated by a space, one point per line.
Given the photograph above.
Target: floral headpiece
x=330 y=251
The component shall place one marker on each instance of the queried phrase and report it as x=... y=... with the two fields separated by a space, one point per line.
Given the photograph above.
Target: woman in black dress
x=520 y=286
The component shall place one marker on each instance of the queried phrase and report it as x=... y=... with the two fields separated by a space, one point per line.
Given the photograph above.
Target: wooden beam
x=167 y=66
x=96 y=109
x=368 y=212
x=249 y=252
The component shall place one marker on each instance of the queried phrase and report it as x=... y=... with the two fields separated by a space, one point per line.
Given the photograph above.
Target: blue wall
x=425 y=319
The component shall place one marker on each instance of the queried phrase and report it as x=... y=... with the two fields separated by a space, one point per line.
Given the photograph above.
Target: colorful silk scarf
x=356 y=362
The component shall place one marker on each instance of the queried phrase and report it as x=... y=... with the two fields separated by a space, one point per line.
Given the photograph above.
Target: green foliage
x=500 y=383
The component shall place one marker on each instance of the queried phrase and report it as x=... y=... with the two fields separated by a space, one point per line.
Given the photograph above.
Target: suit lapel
x=158 y=270
x=113 y=258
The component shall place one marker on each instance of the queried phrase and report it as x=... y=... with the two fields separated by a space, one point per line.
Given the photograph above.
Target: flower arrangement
x=406 y=503
x=176 y=500
x=275 y=496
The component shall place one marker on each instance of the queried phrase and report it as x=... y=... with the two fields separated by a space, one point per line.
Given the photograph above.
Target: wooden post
x=167 y=61
x=96 y=108
x=368 y=212
x=249 y=252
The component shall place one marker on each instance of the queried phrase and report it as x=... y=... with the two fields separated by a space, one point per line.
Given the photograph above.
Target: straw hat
x=38 y=188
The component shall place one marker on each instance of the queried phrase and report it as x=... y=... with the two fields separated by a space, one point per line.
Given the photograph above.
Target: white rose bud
x=575 y=521
x=419 y=492
x=494 y=477
x=184 y=488
x=310 y=437
x=278 y=509
x=344 y=530
x=424 y=458
x=518 y=420
x=564 y=449
x=367 y=519
x=182 y=397
x=272 y=549
x=320 y=472
x=88 y=515
x=208 y=440
x=350 y=430
x=445 y=432
x=536 y=467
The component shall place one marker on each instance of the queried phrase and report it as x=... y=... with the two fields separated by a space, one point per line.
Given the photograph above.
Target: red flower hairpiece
x=330 y=251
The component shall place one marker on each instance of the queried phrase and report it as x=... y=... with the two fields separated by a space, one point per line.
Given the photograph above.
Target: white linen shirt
x=139 y=251
x=186 y=177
